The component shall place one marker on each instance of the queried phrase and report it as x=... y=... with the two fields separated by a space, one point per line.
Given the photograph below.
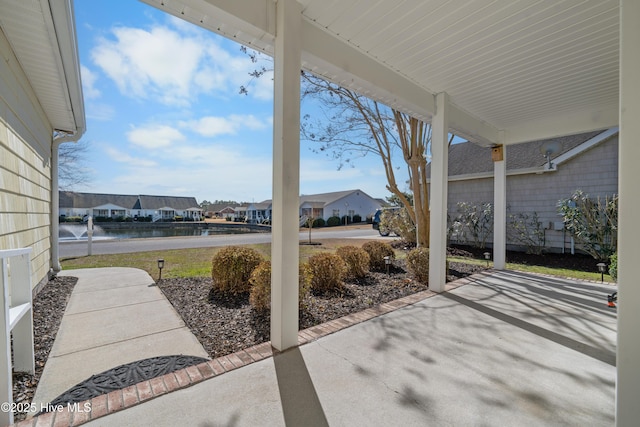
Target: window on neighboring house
x=336 y=212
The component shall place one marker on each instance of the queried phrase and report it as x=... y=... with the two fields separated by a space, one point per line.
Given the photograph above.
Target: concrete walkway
x=500 y=349
x=114 y=316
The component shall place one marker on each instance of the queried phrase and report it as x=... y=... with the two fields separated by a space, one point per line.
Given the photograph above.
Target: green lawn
x=197 y=262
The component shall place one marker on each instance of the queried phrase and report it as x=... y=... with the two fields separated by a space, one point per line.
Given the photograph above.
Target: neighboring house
x=159 y=208
x=41 y=107
x=588 y=162
x=259 y=213
x=325 y=205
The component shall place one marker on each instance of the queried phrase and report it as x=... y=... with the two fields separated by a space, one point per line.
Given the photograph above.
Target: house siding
x=25 y=171
x=594 y=171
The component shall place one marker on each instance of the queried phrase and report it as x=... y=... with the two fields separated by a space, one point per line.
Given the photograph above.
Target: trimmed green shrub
x=357 y=218
x=357 y=260
x=231 y=268
x=418 y=263
x=327 y=272
x=377 y=251
x=260 y=294
x=319 y=222
x=345 y=219
x=333 y=221
x=613 y=266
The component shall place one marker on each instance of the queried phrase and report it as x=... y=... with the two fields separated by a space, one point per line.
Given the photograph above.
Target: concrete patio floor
x=508 y=349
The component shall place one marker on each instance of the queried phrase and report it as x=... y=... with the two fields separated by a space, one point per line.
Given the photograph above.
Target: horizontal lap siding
x=25 y=167
x=595 y=172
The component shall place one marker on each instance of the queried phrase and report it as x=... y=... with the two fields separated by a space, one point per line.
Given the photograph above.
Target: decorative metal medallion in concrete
x=123 y=376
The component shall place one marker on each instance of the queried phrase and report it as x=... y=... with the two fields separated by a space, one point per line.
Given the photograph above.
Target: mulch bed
x=225 y=325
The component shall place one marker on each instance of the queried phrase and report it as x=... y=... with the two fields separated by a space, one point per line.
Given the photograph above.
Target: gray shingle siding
x=595 y=171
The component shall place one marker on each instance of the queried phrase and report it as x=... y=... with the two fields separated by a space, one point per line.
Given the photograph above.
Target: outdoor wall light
x=160 y=267
x=602 y=267
x=487 y=256
x=387 y=262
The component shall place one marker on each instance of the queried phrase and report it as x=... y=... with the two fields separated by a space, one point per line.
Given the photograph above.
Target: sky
x=165 y=116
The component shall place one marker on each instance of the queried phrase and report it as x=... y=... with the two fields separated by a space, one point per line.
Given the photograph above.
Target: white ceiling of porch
x=515 y=70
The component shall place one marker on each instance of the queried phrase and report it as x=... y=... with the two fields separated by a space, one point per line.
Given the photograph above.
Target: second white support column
x=286 y=175
x=438 y=195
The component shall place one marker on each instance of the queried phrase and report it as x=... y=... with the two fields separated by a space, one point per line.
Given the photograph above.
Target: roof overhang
x=42 y=35
x=515 y=71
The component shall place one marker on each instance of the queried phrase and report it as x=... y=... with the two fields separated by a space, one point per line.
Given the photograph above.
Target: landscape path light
x=602 y=267
x=387 y=263
x=160 y=267
x=487 y=256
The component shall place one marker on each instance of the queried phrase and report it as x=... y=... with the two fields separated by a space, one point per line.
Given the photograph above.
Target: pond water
x=79 y=232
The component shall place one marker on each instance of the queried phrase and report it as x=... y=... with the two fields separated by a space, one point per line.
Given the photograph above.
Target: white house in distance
x=158 y=208
x=324 y=205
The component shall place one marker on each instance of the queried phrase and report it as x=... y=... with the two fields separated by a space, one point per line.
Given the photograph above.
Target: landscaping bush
x=613 y=267
x=231 y=269
x=592 y=222
x=526 y=229
x=327 y=272
x=357 y=218
x=398 y=221
x=345 y=220
x=473 y=224
x=357 y=260
x=319 y=222
x=377 y=251
x=418 y=263
x=333 y=221
x=260 y=294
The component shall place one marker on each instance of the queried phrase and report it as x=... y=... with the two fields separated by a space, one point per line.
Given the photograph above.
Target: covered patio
x=502 y=349
x=498 y=73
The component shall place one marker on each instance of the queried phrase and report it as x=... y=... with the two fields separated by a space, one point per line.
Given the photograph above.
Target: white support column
x=286 y=175
x=628 y=346
x=438 y=196
x=500 y=210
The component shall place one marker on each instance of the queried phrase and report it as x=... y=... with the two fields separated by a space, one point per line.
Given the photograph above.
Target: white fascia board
x=482 y=175
x=62 y=28
x=585 y=146
x=562 y=125
x=248 y=22
x=465 y=125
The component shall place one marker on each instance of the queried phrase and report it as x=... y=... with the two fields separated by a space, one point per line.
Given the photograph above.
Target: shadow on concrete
x=596 y=353
x=300 y=403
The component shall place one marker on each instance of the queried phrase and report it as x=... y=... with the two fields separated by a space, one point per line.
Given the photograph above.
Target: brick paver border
x=117 y=400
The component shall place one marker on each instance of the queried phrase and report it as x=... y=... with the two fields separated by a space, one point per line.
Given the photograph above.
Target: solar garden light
x=387 y=262
x=487 y=256
x=602 y=267
x=160 y=267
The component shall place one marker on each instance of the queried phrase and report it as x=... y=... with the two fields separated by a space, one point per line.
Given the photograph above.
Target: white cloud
x=213 y=126
x=155 y=136
x=88 y=83
x=175 y=65
x=125 y=158
x=203 y=171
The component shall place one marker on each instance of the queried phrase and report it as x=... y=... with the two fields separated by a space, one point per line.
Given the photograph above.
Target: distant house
x=158 y=208
x=325 y=205
x=586 y=161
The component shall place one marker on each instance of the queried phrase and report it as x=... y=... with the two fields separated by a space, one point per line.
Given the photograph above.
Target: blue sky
x=164 y=116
